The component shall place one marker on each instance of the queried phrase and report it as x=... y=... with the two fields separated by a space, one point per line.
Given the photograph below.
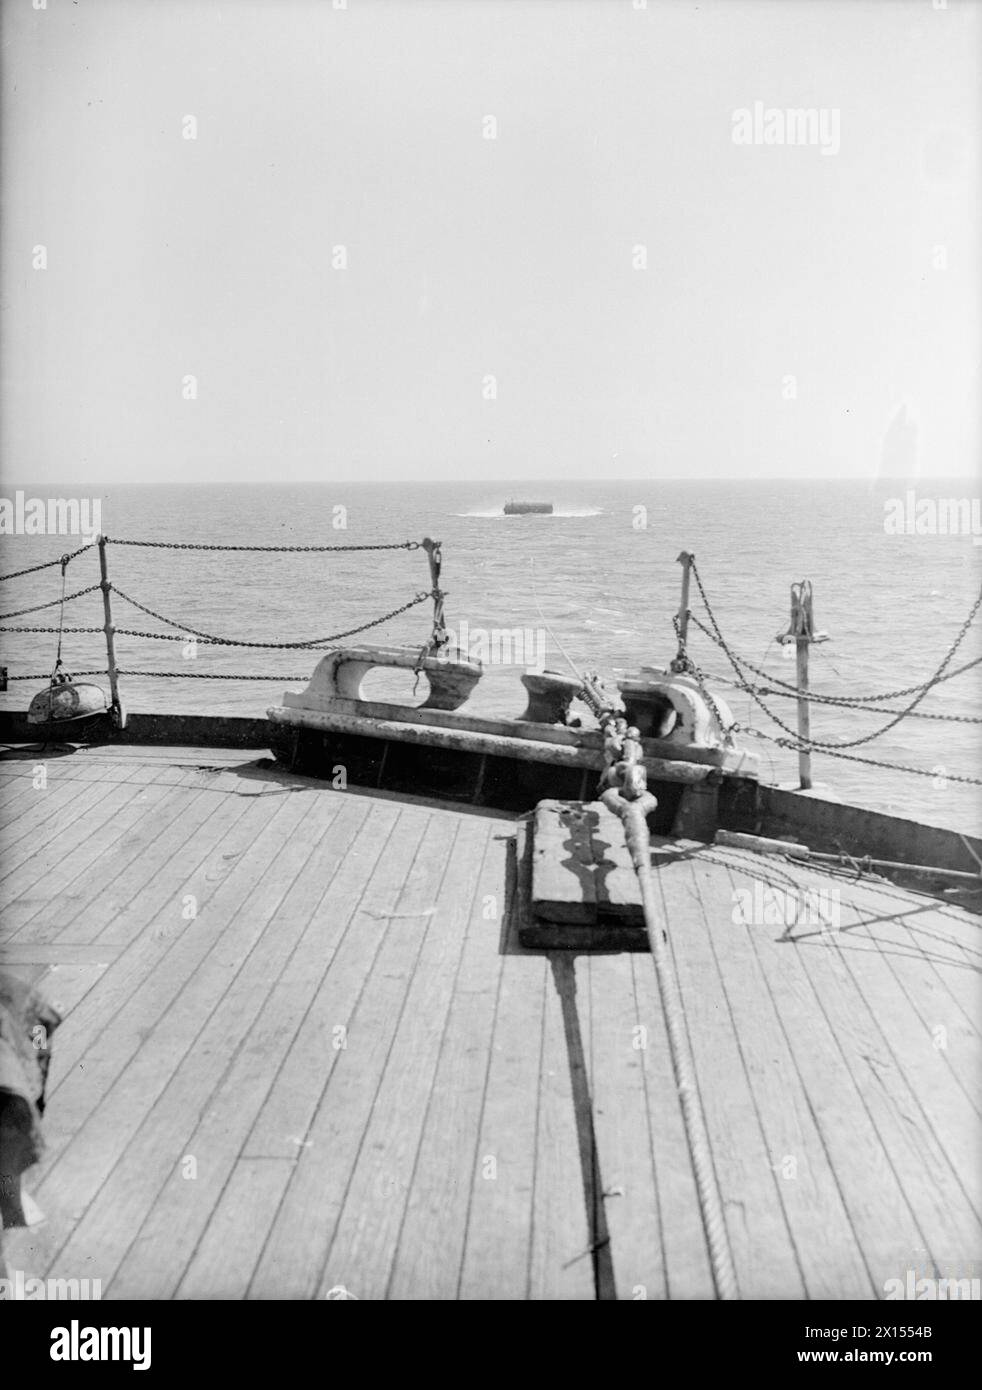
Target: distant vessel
x=528 y=509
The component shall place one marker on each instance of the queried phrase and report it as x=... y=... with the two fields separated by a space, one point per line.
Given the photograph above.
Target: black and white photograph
x=490 y=571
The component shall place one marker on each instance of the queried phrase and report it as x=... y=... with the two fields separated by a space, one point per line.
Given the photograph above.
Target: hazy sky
x=363 y=127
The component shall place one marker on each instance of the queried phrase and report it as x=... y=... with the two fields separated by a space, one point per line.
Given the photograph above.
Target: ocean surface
x=603 y=570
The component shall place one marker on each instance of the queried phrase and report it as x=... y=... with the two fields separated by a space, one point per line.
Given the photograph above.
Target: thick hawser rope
x=624 y=791
x=626 y=795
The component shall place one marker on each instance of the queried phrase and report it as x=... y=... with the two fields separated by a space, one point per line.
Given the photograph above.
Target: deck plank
x=886 y=1228
x=364 y=1242
x=192 y=1054
x=565 y=1192
x=47 y=898
x=763 y=1251
x=115 y=1081
x=232 y=1244
x=58 y=920
x=502 y=1123
x=625 y=1157
x=430 y=1252
x=686 y=1257
x=931 y=1131
x=942 y=987
x=826 y=1248
x=317 y=908
x=24 y=806
x=325 y=978
x=498 y=1236
x=126 y=904
x=369 y=1009
x=56 y=829
x=144 y=913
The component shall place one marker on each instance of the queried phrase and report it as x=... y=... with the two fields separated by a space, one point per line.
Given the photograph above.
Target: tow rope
x=624 y=791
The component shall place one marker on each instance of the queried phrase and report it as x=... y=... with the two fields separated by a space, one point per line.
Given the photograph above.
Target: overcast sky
x=650 y=298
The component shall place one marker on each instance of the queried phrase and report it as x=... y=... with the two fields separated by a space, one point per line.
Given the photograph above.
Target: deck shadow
x=563 y=976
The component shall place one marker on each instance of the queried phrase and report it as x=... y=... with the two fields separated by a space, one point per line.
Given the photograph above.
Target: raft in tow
x=528 y=509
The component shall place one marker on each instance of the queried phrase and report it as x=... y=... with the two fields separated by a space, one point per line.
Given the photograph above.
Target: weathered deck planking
x=858 y=1125
x=825 y=1246
x=927 y=1123
x=497 y=1244
x=430 y=1253
x=314 y=911
x=51 y=892
x=241 y=963
x=344 y=1073
x=369 y=1224
x=627 y=1182
x=763 y=1250
x=59 y=916
x=368 y=1010
x=685 y=1254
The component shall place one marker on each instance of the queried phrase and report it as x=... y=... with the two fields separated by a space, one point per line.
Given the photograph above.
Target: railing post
x=682 y=618
x=804 y=712
x=116 y=709
x=802 y=632
x=434 y=554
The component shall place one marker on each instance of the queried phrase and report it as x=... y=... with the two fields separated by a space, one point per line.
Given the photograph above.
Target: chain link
x=834 y=752
x=48 y=564
x=5 y=617
x=421 y=597
x=683 y=664
x=55 y=630
x=847 y=701
x=796 y=747
x=278 y=549
x=825 y=746
x=205 y=676
x=869 y=709
x=46 y=675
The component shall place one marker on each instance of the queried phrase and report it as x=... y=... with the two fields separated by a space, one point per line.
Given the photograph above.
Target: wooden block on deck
x=581 y=870
x=602 y=933
x=580 y=889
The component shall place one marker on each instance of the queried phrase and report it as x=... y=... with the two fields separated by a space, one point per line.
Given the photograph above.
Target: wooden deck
x=303 y=1051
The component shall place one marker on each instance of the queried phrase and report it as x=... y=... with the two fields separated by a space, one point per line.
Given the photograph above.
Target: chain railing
x=799 y=740
x=184 y=632
x=767 y=684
